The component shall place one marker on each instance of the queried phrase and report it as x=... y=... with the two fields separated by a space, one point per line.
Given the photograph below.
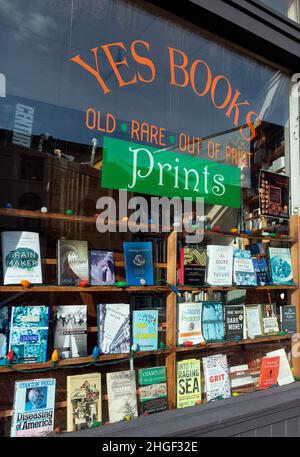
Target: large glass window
x=289 y=8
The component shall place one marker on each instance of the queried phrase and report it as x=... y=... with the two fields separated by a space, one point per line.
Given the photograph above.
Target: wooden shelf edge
x=53 y=288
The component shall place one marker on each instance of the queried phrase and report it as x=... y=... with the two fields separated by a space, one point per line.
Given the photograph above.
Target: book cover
x=285 y=375
x=216 y=377
x=101 y=268
x=145 y=329
x=220 y=260
x=253 y=320
x=84 y=401
x=256 y=249
x=21 y=257
x=193 y=266
x=4 y=333
x=213 y=325
x=262 y=271
x=274 y=191
x=72 y=262
x=70 y=334
x=269 y=318
x=234 y=322
x=29 y=333
x=113 y=321
x=189 y=322
x=269 y=371
x=243 y=272
x=138 y=263
x=240 y=376
x=236 y=297
x=288 y=318
x=121 y=392
x=34 y=408
x=153 y=390
x=188 y=383
x=281 y=266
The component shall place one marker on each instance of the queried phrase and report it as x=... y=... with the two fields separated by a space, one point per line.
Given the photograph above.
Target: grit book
x=70 y=335
x=220 y=260
x=145 y=329
x=153 y=390
x=29 y=333
x=4 y=333
x=84 y=401
x=189 y=323
x=234 y=322
x=188 y=383
x=101 y=268
x=138 y=263
x=213 y=324
x=121 y=393
x=281 y=266
x=269 y=371
x=72 y=262
x=113 y=321
x=288 y=318
x=21 y=257
x=216 y=377
x=193 y=266
x=33 y=408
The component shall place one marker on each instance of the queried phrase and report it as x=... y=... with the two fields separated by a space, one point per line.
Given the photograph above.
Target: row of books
x=34 y=400
x=25 y=330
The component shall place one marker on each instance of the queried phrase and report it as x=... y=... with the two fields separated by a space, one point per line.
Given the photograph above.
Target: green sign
x=144 y=169
x=152 y=376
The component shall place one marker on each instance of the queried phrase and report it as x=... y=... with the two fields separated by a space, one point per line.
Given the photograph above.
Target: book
x=253 y=321
x=236 y=297
x=243 y=272
x=84 y=401
x=234 y=322
x=188 y=383
x=256 y=249
x=240 y=376
x=269 y=371
x=152 y=390
x=101 y=268
x=262 y=271
x=113 y=320
x=33 y=408
x=269 y=318
x=193 y=266
x=220 y=260
x=4 y=333
x=274 y=190
x=213 y=325
x=70 y=330
x=121 y=393
x=21 y=257
x=281 y=266
x=216 y=377
x=29 y=333
x=189 y=322
x=285 y=375
x=138 y=263
x=145 y=329
x=72 y=262
x=288 y=318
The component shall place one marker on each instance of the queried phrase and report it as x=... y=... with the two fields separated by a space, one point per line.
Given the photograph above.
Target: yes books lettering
x=188 y=383
x=145 y=329
x=288 y=318
x=84 y=401
x=220 y=259
x=193 y=266
x=152 y=390
x=121 y=392
x=138 y=263
x=281 y=266
x=189 y=322
x=34 y=406
x=234 y=322
x=70 y=338
x=72 y=262
x=4 y=333
x=114 y=328
x=216 y=377
x=101 y=268
x=29 y=333
x=21 y=257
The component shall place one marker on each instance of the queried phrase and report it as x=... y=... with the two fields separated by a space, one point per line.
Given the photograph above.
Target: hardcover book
x=220 y=259
x=285 y=375
x=21 y=257
x=262 y=271
x=4 y=333
x=253 y=319
x=29 y=333
x=84 y=401
x=193 y=266
x=145 y=329
x=34 y=407
x=189 y=323
x=213 y=325
x=288 y=318
x=72 y=262
x=281 y=266
x=138 y=263
x=101 y=268
x=188 y=383
x=70 y=337
x=152 y=390
x=243 y=272
x=113 y=328
x=234 y=322
x=269 y=318
x=216 y=377
x=269 y=371
x=121 y=392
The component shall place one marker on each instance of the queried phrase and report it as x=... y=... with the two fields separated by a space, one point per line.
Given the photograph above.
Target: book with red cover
x=268 y=372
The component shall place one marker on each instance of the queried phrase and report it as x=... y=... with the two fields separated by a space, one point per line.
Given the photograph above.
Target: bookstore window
x=289 y=8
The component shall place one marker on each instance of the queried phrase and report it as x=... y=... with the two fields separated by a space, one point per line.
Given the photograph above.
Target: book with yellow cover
x=188 y=383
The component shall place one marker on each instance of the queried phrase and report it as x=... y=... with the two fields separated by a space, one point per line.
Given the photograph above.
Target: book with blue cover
x=113 y=328
x=145 y=329
x=4 y=331
x=262 y=271
x=213 y=321
x=281 y=266
x=29 y=333
x=138 y=263
x=243 y=269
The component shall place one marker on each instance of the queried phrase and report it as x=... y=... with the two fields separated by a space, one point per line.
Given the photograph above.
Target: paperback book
x=113 y=328
x=72 y=262
x=21 y=257
x=240 y=376
x=33 y=408
x=4 y=333
x=121 y=392
x=189 y=322
x=193 y=266
x=220 y=259
x=29 y=333
x=234 y=322
x=253 y=320
x=213 y=324
x=145 y=329
x=84 y=401
x=188 y=383
x=269 y=318
x=281 y=266
x=269 y=371
x=70 y=334
x=138 y=263
x=262 y=271
x=288 y=318
x=243 y=272
x=216 y=377
x=152 y=390
x=102 y=268
x=285 y=375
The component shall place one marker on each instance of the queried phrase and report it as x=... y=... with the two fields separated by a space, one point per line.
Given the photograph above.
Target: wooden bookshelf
x=54 y=288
